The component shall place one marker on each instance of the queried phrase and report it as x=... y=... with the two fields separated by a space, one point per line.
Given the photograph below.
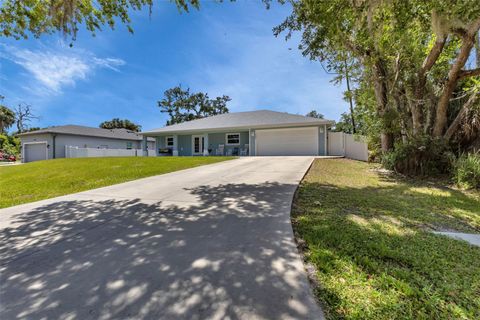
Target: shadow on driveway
x=230 y=255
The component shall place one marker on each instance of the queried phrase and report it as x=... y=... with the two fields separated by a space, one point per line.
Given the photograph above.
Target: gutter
x=231 y=129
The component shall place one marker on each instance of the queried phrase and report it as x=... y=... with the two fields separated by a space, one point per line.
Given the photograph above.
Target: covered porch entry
x=231 y=143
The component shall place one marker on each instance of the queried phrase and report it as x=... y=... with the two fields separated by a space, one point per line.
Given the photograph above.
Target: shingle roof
x=123 y=134
x=239 y=120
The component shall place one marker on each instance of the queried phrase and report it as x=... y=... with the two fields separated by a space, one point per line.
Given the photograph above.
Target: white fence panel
x=336 y=144
x=348 y=146
x=356 y=147
x=76 y=152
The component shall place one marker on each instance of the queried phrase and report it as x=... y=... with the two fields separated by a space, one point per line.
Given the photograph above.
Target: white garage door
x=287 y=142
x=34 y=152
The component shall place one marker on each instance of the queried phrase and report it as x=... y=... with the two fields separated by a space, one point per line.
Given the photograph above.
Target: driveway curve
x=212 y=242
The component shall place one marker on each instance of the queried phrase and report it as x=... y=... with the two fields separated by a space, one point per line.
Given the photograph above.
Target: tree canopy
x=181 y=105
x=18 y=19
x=7 y=117
x=413 y=57
x=314 y=114
x=117 y=123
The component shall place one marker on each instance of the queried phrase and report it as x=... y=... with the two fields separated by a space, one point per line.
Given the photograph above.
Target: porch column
x=175 y=145
x=205 y=145
x=144 y=146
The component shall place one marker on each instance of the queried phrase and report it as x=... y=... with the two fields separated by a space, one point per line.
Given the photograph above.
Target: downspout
x=53 y=147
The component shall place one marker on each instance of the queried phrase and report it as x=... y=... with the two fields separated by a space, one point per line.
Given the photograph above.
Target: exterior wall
x=161 y=143
x=62 y=140
x=38 y=138
x=215 y=139
x=185 y=145
x=184 y=142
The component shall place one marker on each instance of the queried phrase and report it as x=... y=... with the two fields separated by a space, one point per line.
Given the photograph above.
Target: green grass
x=46 y=179
x=369 y=235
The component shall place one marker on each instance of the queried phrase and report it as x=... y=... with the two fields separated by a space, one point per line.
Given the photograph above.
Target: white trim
x=232 y=144
x=193 y=144
x=34 y=142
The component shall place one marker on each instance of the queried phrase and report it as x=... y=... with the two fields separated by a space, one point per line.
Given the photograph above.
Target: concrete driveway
x=213 y=242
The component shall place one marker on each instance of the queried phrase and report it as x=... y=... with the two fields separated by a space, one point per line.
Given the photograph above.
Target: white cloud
x=55 y=69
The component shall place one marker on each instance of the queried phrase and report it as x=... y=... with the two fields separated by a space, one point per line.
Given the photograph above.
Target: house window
x=232 y=139
x=169 y=141
x=129 y=145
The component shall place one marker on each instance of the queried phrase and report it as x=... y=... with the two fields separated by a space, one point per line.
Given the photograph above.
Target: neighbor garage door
x=34 y=152
x=287 y=142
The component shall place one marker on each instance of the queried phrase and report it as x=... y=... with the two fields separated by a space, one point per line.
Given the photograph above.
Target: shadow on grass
x=229 y=255
x=376 y=258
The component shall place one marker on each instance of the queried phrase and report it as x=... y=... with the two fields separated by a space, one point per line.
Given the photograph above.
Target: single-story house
x=50 y=143
x=254 y=133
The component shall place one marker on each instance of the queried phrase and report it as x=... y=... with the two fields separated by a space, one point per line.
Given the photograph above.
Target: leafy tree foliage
x=181 y=105
x=7 y=117
x=18 y=18
x=411 y=56
x=314 y=114
x=117 y=123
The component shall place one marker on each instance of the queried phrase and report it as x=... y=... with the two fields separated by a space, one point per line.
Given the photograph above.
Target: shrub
x=466 y=171
x=421 y=156
x=9 y=148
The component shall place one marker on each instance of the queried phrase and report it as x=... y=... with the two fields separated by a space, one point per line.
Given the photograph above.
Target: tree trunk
x=350 y=99
x=468 y=41
x=477 y=48
x=380 y=88
x=428 y=63
x=454 y=126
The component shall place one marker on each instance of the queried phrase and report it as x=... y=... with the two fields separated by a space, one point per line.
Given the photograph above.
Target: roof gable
x=123 y=134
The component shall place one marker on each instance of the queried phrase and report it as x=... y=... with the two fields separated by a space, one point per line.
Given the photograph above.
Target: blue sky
x=225 y=48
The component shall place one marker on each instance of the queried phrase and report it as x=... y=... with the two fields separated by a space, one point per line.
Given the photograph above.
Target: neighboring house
x=50 y=143
x=255 y=133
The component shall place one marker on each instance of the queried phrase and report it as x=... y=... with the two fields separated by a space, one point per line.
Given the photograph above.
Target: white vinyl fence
x=76 y=152
x=348 y=146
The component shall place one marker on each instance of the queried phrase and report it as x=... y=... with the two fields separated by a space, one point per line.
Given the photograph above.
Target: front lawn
x=46 y=179
x=368 y=234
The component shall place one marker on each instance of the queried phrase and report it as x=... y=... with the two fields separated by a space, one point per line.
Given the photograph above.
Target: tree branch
x=469 y=73
x=433 y=55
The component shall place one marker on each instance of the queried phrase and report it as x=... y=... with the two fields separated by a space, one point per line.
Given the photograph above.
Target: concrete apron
x=213 y=242
x=472 y=238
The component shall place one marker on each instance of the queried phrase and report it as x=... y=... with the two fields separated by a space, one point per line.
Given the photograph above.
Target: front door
x=198 y=144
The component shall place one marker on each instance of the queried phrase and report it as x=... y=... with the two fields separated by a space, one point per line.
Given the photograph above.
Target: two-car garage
x=303 y=141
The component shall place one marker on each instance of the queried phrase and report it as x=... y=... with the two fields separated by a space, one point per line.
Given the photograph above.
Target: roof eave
x=224 y=129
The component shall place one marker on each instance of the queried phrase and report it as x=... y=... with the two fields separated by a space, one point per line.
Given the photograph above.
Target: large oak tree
x=412 y=55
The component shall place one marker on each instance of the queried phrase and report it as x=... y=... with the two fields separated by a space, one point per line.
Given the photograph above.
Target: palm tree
x=7 y=118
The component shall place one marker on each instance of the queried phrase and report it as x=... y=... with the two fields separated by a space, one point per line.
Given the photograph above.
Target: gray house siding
x=185 y=145
x=39 y=138
x=62 y=140
x=252 y=142
x=215 y=139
